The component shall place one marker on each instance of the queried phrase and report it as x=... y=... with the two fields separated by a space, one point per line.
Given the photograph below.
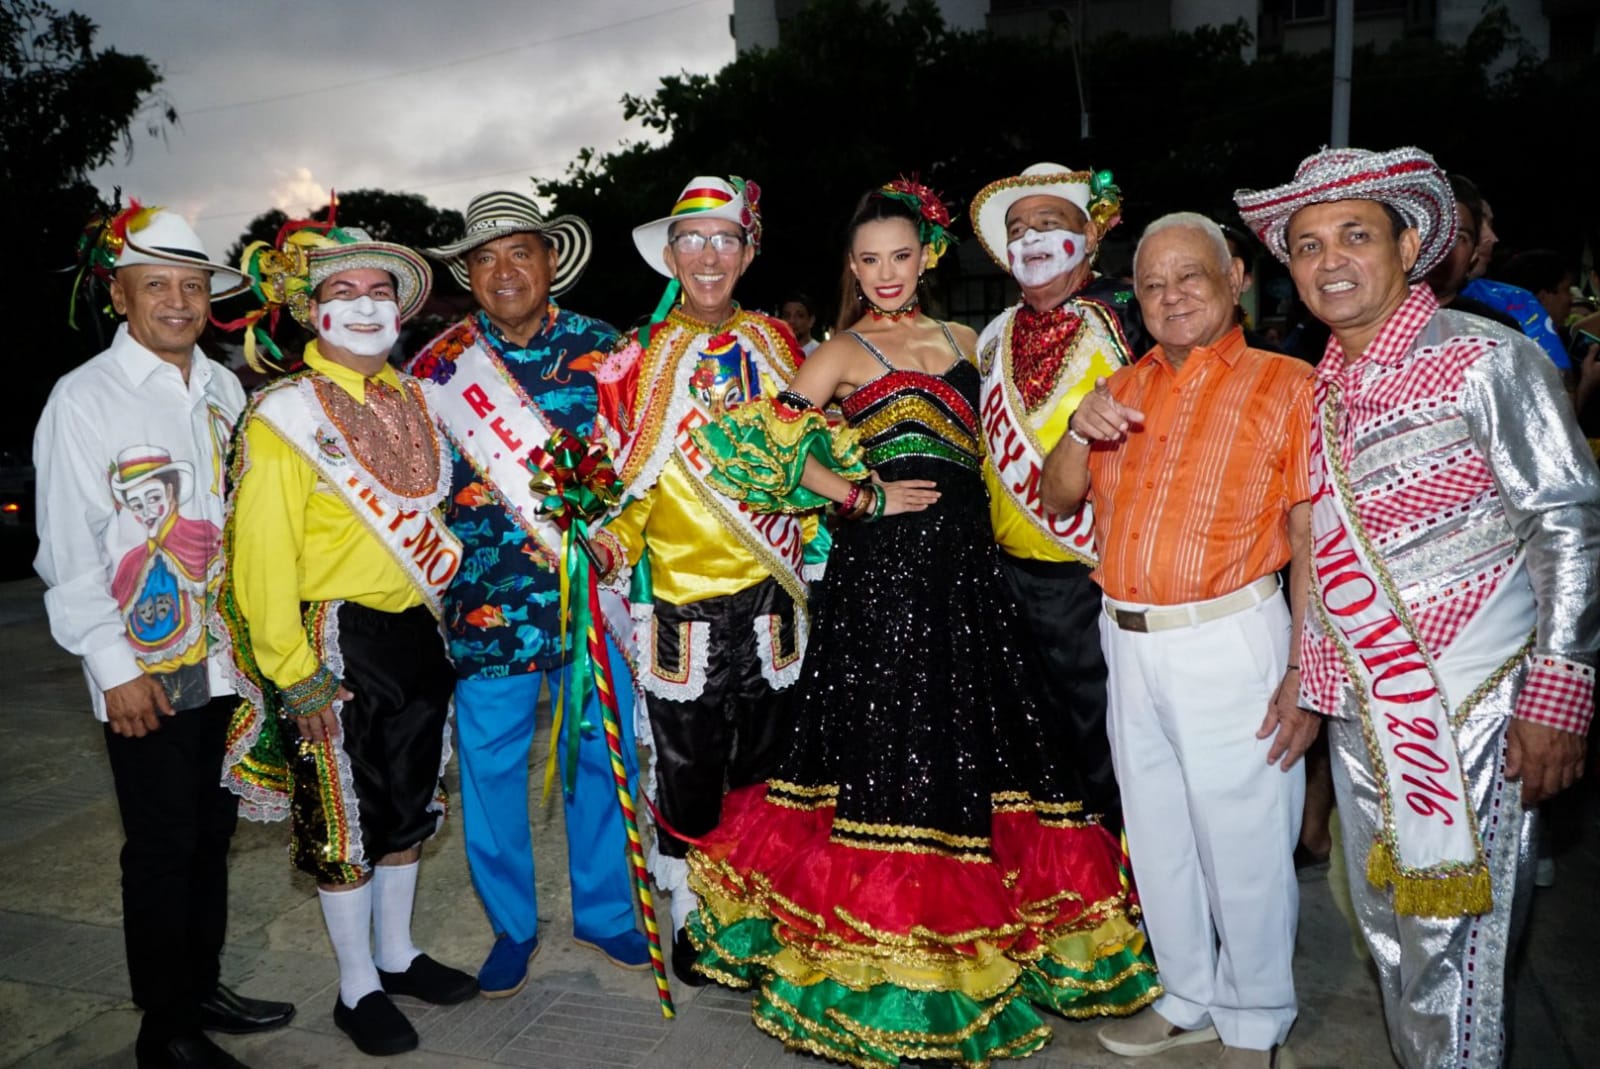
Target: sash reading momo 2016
x=1429 y=851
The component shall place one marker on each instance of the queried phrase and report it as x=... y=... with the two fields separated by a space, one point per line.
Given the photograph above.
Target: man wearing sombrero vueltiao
x=1455 y=613
x=338 y=560
x=130 y=454
x=724 y=627
x=501 y=381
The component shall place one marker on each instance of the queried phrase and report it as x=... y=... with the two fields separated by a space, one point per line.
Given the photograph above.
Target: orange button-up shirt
x=1194 y=504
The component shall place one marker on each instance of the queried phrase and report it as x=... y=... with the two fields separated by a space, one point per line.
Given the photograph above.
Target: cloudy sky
x=280 y=99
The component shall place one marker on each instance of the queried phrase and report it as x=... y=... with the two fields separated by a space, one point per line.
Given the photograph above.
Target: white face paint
x=349 y=325
x=1037 y=258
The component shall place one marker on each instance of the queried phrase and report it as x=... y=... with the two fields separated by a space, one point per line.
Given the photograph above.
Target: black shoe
x=193 y=1051
x=683 y=957
x=376 y=1026
x=225 y=1010
x=426 y=979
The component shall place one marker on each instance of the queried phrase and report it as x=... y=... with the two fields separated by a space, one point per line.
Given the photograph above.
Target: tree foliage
x=65 y=109
x=858 y=93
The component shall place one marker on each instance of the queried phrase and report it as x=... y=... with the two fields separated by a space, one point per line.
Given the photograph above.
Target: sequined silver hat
x=1406 y=179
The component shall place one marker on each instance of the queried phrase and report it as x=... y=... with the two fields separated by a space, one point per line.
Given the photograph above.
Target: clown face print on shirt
x=167 y=572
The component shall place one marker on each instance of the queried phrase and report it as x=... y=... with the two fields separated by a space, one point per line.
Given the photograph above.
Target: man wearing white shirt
x=130 y=453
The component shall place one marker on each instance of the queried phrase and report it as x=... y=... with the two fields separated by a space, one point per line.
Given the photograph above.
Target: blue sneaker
x=505 y=971
x=630 y=949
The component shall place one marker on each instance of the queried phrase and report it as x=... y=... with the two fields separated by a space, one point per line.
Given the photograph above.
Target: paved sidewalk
x=64 y=994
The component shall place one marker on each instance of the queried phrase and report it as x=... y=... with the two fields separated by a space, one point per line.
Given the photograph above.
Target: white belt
x=1197 y=612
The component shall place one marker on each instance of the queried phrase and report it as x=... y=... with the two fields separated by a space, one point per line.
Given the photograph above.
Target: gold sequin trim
x=907 y=831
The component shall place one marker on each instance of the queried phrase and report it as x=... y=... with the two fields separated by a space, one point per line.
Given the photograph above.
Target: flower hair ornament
x=934 y=228
x=750 y=218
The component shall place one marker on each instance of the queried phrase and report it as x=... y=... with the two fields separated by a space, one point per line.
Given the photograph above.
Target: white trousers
x=1211 y=826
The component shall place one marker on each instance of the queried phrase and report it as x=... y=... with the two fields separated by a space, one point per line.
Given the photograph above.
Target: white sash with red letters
x=775 y=539
x=410 y=528
x=1412 y=698
x=1014 y=449
x=494 y=424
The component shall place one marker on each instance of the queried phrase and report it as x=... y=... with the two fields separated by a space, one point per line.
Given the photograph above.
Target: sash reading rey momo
x=495 y=425
x=681 y=391
x=1017 y=448
x=1410 y=698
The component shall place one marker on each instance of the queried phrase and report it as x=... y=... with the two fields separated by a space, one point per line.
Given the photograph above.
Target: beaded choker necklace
x=908 y=310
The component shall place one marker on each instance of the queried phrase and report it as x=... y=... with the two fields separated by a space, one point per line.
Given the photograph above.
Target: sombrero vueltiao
x=501 y=214
x=286 y=275
x=1406 y=179
x=351 y=248
x=1092 y=191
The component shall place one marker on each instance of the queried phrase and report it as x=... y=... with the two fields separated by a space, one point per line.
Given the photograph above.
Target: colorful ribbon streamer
x=579 y=485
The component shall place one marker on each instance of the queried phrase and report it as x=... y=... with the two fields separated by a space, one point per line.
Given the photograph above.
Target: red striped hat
x=1406 y=179
x=705 y=197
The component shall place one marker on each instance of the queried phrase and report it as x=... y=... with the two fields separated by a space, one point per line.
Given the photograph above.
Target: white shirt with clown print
x=130 y=463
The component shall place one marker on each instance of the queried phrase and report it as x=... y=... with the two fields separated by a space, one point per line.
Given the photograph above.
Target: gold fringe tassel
x=1421 y=894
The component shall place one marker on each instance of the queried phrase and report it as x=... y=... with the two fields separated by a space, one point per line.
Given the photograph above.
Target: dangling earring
x=861 y=296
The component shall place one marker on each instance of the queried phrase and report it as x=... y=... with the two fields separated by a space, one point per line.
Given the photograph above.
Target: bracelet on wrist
x=880 y=501
x=1291 y=668
x=1076 y=437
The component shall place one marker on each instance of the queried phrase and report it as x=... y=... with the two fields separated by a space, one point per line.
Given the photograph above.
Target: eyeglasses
x=691 y=243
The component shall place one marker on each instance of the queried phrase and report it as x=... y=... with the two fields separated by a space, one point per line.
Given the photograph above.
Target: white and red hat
x=705 y=197
x=1406 y=179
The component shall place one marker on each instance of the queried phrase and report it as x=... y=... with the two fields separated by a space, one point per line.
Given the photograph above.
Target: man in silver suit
x=1453 y=625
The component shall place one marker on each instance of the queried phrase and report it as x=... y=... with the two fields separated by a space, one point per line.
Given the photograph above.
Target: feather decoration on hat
x=101 y=244
x=280 y=277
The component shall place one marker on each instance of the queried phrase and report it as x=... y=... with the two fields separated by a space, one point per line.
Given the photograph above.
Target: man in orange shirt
x=1195 y=462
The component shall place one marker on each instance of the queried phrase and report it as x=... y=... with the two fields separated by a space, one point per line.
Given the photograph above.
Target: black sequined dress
x=918 y=875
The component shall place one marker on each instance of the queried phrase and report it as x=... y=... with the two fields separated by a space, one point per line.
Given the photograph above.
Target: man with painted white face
x=1195 y=461
x=340 y=559
x=726 y=625
x=1039 y=358
x=1455 y=603
x=129 y=453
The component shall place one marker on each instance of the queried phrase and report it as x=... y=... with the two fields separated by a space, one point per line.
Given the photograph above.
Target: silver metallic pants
x=1444 y=979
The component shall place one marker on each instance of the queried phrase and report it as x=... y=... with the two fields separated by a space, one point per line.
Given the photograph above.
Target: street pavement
x=64 y=991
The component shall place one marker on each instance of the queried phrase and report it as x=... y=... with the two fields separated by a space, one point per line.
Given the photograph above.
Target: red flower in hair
x=928 y=203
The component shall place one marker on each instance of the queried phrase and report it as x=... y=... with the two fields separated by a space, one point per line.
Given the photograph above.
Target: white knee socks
x=348 y=915
x=394 y=890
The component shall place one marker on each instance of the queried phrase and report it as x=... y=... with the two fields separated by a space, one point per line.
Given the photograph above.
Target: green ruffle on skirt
x=758 y=452
x=883 y=1023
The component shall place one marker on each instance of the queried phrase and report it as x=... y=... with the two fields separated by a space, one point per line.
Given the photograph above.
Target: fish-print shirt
x=503 y=610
